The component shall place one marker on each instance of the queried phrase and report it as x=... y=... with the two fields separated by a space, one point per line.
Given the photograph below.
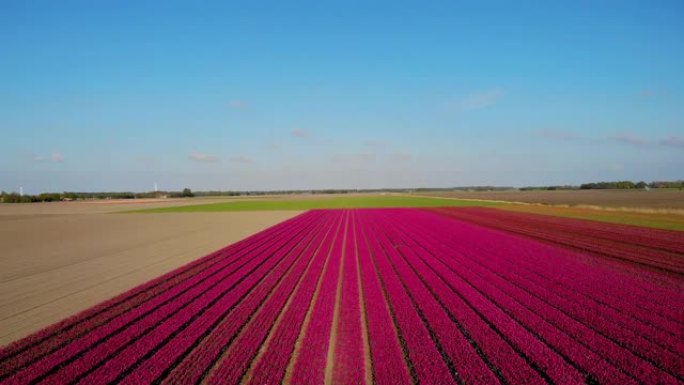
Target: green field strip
x=656 y=223
x=320 y=203
x=667 y=222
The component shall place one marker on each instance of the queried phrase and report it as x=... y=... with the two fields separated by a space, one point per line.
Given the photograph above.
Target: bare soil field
x=60 y=258
x=653 y=199
x=100 y=206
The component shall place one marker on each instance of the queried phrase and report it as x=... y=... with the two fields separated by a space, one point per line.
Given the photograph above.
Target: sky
x=242 y=95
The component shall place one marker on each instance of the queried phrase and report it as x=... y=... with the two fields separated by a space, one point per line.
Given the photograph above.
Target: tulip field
x=389 y=296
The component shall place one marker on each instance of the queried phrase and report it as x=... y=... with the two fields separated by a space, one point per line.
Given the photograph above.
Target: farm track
x=389 y=296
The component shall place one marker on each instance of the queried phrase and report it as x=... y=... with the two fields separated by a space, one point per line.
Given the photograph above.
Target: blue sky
x=118 y=95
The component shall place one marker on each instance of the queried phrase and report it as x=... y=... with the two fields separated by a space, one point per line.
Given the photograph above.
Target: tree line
x=14 y=197
x=617 y=185
x=626 y=184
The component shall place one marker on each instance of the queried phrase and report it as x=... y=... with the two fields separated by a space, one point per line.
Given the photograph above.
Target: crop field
x=647 y=217
x=657 y=220
x=318 y=202
x=655 y=199
x=462 y=295
x=60 y=258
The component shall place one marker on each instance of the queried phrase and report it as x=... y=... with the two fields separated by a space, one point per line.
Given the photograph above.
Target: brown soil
x=264 y=347
x=336 y=312
x=97 y=206
x=368 y=363
x=287 y=379
x=58 y=264
x=227 y=349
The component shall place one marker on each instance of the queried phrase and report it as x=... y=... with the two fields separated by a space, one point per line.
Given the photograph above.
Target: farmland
x=656 y=199
x=318 y=202
x=63 y=257
x=648 y=217
x=658 y=220
x=389 y=296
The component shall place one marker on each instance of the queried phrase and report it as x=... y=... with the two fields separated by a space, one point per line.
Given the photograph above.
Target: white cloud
x=673 y=141
x=622 y=138
x=145 y=160
x=401 y=157
x=375 y=144
x=561 y=135
x=613 y=167
x=301 y=133
x=242 y=159
x=273 y=145
x=478 y=100
x=237 y=104
x=56 y=157
x=203 y=157
x=354 y=159
x=630 y=139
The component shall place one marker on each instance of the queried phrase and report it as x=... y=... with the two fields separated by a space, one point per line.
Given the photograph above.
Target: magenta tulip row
x=640 y=295
x=658 y=249
x=240 y=354
x=639 y=236
x=611 y=339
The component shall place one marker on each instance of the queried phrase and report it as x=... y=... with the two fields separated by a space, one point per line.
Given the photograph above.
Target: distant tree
x=16 y=198
x=187 y=193
x=641 y=185
x=49 y=197
x=70 y=195
x=625 y=184
x=667 y=184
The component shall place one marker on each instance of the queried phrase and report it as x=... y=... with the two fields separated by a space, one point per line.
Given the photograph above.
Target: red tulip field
x=389 y=296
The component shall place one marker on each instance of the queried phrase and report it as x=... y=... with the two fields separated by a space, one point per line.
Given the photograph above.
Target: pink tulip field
x=389 y=296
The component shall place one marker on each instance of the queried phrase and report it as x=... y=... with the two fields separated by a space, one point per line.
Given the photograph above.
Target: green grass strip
x=655 y=222
x=319 y=203
x=380 y=201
